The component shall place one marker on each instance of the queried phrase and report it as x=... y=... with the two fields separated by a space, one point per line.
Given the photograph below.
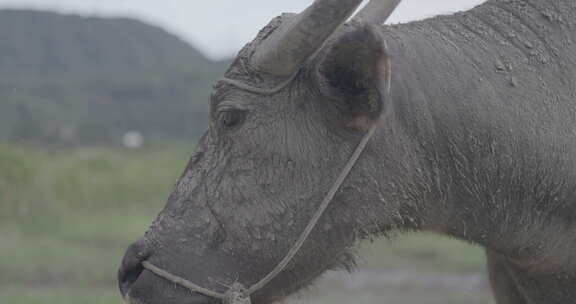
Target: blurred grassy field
x=66 y=217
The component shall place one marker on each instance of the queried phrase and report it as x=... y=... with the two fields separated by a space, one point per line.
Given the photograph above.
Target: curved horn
x=298 y=39
x=376 y=11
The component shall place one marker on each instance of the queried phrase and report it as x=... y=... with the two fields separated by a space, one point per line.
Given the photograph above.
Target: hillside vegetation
x=70 y=79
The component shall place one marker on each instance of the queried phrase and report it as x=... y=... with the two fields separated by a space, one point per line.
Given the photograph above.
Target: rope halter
x=238 y=293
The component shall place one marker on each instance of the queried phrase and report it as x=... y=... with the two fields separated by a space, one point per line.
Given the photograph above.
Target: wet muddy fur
x=476 y=140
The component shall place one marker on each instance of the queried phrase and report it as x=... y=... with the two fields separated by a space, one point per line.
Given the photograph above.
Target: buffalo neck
x=485 y=101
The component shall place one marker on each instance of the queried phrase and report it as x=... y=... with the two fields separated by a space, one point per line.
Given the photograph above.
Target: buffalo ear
x=355 y=72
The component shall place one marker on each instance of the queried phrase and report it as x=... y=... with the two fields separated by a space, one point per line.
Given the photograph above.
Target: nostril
x=131 y=267
x=128 y=276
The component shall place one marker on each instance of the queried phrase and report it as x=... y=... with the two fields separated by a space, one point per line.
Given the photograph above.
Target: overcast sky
x=220 y=27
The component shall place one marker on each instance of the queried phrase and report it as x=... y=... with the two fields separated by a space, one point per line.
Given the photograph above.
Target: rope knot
x=237 y=295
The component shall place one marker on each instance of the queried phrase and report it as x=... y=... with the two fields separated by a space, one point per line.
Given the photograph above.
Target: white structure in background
x=133 y=140
x=67 y=133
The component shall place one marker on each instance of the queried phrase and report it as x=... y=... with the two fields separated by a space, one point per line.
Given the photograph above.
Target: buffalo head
x=292 y=108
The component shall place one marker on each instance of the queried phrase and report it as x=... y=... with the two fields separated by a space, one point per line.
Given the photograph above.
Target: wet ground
x=369 y=286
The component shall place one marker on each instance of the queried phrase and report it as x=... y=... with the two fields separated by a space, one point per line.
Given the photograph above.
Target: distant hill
x=91 y=79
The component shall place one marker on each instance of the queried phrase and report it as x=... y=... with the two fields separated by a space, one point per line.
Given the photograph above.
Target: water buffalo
x=471 y=123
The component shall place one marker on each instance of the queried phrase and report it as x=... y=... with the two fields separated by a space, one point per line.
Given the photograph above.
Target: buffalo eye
x=231 y=118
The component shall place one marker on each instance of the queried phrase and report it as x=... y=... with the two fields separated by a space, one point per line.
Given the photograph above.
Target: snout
x=140 y=286
x=131 y=267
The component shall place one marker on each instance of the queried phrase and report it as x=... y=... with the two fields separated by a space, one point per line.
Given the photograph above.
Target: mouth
x=141 y=286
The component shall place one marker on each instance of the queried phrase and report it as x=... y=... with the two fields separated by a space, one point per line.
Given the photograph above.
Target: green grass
x=81 y=251
x=424 y=253
x=88 y=179
x=58 y=295
x=66 y=217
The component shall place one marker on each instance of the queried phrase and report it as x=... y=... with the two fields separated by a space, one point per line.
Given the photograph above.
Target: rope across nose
x=237 y=294
x=233 y=293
